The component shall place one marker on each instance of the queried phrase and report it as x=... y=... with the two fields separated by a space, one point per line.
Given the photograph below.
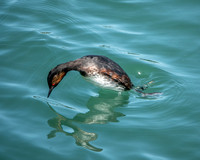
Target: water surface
x=151 y=40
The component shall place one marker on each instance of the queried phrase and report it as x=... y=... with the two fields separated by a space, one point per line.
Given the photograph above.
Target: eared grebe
x=99 y=69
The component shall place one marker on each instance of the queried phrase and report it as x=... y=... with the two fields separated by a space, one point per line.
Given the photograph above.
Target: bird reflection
x=101 y=111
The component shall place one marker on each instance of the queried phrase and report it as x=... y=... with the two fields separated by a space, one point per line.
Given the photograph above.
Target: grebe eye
x=57 y=78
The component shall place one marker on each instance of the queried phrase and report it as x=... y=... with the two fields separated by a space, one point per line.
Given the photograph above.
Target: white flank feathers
x=104 y=82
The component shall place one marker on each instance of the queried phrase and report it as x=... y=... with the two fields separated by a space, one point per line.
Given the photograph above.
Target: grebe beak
x=50 y=90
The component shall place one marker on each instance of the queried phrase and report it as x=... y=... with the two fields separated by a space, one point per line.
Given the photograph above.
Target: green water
x=151 y=40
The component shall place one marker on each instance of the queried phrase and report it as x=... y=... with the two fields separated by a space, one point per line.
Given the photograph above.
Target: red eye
x=53 y=84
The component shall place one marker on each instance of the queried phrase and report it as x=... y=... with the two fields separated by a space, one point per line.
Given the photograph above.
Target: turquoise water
x=151 y=40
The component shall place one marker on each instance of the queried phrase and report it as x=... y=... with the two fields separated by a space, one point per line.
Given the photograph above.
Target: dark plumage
x=98 y=68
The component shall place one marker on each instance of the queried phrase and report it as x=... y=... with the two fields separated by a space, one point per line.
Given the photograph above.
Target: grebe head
x=54 y=78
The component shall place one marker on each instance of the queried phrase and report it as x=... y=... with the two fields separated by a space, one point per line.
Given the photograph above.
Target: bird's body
x=105 y=73
x=100 y=69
